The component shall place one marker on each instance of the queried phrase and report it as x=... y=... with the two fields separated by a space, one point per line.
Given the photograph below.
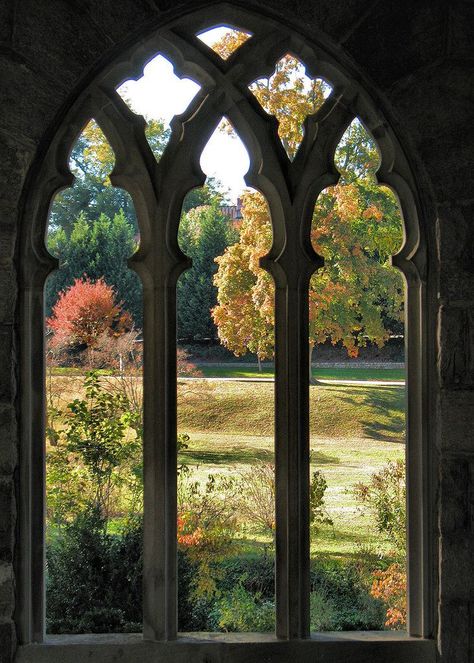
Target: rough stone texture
x=7 y=640
x=456 y=251
x=456 y=409
x=456 y=363
x=8 y=451
x=6 y=590
x=7 y=519
x=417 y=61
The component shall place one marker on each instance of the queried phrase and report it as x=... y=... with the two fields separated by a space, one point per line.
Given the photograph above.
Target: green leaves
x=204 y=234
x=97 y=449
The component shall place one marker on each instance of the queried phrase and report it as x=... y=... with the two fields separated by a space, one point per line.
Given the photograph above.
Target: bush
x=240 y=610
x=256 y=574
x=340 y=599
x=93 y=578
x=385 y=497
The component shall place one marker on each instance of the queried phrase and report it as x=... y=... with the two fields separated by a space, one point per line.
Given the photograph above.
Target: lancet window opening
x=158 y=189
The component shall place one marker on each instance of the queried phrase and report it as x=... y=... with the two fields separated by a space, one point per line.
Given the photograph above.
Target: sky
x=160 y=94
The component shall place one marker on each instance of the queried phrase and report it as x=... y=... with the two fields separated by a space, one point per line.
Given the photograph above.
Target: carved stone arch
x=158 y=190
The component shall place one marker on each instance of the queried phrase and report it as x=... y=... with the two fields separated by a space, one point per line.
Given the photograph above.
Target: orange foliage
x=391 y=586
x=84 y=312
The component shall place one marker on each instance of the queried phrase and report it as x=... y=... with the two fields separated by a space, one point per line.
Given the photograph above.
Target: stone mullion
x=160 y=189
x=417 y=474
x=292 y=459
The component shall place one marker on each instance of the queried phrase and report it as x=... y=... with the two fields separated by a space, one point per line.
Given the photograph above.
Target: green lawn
x=355 y=430
x=350 y=373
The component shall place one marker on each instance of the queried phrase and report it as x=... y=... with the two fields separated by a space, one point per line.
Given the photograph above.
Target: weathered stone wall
x=416 y=59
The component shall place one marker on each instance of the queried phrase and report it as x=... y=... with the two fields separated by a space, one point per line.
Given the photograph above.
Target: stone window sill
x=358 y=647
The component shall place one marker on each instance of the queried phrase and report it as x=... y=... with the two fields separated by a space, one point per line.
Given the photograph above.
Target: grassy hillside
x=336 y=410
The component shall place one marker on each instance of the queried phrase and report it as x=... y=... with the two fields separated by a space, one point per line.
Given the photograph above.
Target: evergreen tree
x=204 y=234
x=97 y=249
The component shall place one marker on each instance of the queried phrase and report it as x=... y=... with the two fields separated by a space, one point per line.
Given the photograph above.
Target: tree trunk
x=259 y=364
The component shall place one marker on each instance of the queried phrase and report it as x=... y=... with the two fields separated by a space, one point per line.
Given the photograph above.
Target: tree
x=97 y=249
x=204 y=233
x=92 y=160
x=83 y=313
x=245 y=301
x=356 y=226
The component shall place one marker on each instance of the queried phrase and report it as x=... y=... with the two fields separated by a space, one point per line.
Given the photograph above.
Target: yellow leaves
x=98 y=150
x=373 y=212
x=347 y=201
x=229 y=43
x=290 y=96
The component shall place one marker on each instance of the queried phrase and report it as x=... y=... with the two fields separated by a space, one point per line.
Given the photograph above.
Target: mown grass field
x=355 y=430
x=350 y=373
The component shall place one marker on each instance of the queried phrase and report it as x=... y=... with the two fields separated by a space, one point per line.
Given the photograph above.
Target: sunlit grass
x=209 y=370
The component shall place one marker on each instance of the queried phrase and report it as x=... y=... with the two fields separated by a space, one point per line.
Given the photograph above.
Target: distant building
x=233 y=212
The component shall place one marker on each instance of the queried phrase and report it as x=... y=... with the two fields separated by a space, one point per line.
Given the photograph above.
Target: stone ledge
x=357 y=647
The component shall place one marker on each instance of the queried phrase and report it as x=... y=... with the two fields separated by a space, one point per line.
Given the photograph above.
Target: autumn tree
x=83 y=313
x=244 y=313
x=356 y=226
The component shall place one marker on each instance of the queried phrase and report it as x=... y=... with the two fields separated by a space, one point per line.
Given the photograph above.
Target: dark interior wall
x=416 y=60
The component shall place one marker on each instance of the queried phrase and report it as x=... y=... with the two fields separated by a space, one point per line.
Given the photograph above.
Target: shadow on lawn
x=244 y=455
x=388 y=403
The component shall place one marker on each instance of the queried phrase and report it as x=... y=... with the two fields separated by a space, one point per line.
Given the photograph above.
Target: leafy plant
x=239 y=610
x=256 y=498
x=96 y=451
x=391 y=586
x=85 y=312
x=385 y=497
x=206 y=525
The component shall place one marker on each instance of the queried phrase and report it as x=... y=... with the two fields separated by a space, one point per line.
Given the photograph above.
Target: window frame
x=291 y=262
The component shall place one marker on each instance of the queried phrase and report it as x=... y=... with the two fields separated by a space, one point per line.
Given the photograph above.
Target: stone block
x=455 y=237
x=7 y=594
x=412 y=31
x=7 y=382
x=8 y=288
x=6 y=21
x=456 y=337
x=78 y=40
x=456 y=555
x=7 y=640
x=15 y=159
x=40 y=99
x=118 y=19
x=454 y=488
x=434 y=127
x=455 y=416
x=461 y=30
x=454 y=632
x=7 y=519
x=8 y=440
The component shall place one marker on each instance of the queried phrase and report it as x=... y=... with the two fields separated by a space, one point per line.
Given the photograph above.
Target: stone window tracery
x=291 y=187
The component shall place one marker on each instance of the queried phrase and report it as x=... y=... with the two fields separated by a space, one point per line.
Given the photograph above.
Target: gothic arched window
x=290 y=179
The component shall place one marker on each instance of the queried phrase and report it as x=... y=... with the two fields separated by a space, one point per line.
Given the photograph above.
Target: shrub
x=240 y=610
x=83 y=313
x=390 y=586
x=206 y=525
x=255 y=573
x=94 y=451
x=340 y=599
x=256 y=503
x=385 y=497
